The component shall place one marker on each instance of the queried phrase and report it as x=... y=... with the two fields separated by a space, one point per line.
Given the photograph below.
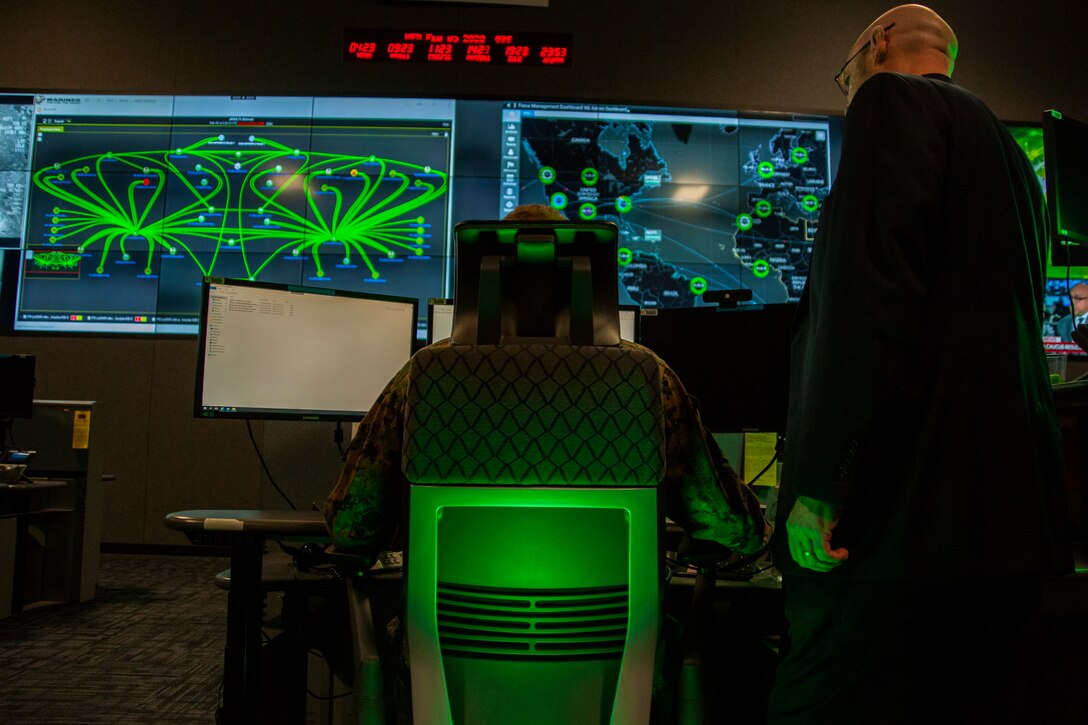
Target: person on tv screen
x=921 y=496
x=1078 y=296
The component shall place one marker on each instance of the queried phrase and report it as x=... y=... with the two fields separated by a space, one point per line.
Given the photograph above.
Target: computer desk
x=246 y=531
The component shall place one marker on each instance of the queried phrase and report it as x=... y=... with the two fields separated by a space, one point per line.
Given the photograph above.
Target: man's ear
x=879 y=42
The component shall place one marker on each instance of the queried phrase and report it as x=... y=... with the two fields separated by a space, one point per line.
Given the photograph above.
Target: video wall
x=128 y=202
x=114 y=207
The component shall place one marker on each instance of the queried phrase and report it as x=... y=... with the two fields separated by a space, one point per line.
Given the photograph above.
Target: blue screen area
x=1057 y=314
x=132 y=200
x=1065 y=270
x=116 y=206
x=704 y=199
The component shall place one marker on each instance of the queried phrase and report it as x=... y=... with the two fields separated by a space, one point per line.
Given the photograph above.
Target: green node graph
x=266 y=201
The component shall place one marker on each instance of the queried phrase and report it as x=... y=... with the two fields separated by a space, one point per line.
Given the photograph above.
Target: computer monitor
x=1065 y=145
x=736 y=363
x=126 y=201
x=1065 y=148
x=629 y=323
x=16 y=392
x=439 y=318
x=361 y=193
x=276 y=351
x=17 y=389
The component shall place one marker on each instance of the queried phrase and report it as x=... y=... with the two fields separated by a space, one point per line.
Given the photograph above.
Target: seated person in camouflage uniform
x=703 y=493
x=367 y=509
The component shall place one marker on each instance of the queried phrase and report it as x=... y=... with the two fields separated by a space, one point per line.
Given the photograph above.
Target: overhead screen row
x=115 y=207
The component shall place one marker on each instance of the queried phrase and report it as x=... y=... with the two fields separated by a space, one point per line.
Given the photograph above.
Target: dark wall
x=750 y=54
x=777 y=55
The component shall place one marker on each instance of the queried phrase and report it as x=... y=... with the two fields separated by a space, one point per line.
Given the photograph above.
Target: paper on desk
x=758 y=452
x=81 y=429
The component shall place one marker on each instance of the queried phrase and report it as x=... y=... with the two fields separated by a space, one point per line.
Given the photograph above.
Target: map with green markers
x=701 y=203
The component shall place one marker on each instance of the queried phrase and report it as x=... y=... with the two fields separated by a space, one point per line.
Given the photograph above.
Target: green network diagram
x=280 y=200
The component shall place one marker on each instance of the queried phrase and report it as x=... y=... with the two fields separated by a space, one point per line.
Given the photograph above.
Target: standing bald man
x=922 y=482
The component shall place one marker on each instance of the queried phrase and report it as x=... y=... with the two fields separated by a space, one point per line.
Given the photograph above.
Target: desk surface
x=1071 y=395
x=32 y=486
x=274 y=524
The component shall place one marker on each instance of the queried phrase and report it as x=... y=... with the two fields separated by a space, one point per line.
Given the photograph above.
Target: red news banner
x=409 y=46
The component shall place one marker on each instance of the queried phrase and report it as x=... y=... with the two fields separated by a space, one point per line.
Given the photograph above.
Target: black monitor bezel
x=638 y=320
x=1054 y=158
x=431 y=302
x=708 y=367
x=24 y=368
x=273 y=414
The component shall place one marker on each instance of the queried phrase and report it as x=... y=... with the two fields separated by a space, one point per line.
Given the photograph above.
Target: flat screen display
x=282 y=351
x=703 y=199
x=17 y=391
x=1066 y=145
x=116 y=206
x=1060 y=145
x=736 y=363
x=440 y=321
x=132 y=200
x=629 y=323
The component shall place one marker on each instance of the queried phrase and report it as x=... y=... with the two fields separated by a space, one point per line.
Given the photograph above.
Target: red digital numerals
x=363 y=51
x=478 y=53
x=553 y=55
x=400 y=51
x=551 y=49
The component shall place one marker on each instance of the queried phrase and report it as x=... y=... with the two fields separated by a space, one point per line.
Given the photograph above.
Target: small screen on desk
x=736 y=363
x=440 y=321
x=629 y=323
x=280 y=351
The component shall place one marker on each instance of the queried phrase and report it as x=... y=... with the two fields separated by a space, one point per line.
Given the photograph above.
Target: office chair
x=534 y=446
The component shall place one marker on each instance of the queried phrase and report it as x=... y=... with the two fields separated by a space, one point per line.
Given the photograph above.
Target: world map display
x=701 y=204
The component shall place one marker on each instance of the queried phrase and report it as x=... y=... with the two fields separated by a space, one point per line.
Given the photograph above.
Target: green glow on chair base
x=552 y=593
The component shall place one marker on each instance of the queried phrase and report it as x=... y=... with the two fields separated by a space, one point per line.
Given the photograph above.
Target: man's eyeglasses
x=840 y=81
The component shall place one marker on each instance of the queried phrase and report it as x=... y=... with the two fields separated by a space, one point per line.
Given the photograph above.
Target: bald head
x=906 y=39
x=1078 y=293
x=535 y=213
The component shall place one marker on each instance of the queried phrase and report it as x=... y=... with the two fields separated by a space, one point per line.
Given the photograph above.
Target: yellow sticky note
x=81 y=429
x=758 y=453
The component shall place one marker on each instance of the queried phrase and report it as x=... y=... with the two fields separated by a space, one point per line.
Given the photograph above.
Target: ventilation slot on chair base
x=519 y=624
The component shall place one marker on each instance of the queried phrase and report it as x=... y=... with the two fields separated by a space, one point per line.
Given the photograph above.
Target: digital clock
x=415 y=46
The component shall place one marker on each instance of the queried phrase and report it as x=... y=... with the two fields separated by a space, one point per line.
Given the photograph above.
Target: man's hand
x=809 y=527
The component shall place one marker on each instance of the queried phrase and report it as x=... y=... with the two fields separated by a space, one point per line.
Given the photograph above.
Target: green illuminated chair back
x=533 y=567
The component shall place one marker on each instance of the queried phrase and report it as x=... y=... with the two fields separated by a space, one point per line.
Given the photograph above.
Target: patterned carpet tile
x=147 y=649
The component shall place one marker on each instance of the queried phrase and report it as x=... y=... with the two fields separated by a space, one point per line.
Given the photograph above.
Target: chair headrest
x=536 y=283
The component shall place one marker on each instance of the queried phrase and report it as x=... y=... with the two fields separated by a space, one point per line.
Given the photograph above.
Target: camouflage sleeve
x=703 y=492
x=363 y=511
